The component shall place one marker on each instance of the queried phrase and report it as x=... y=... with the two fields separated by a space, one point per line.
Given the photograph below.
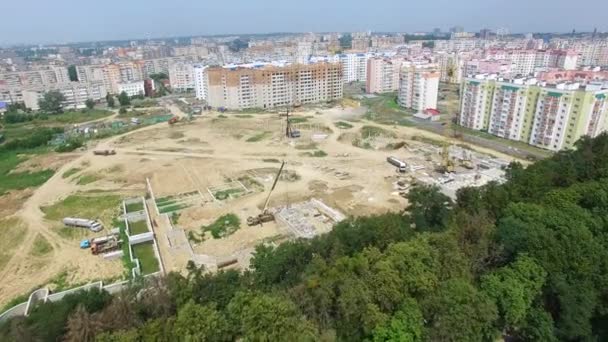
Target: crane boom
x=274 y=184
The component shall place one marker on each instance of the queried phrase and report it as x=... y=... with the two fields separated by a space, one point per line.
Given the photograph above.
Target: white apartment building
x=418 y=86
x=181 y=76
x=354 y=66
x=451 y=66
x=76 y=94
x=131 y=88
x=383 y=74
x=42 y=76
x=272 y=85
x=200 y=81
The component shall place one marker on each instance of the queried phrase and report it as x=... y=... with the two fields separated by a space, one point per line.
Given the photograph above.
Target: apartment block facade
x=383 y=74
x=418 y=86
x=549 y=117
x=76 y=94
x=271 y=85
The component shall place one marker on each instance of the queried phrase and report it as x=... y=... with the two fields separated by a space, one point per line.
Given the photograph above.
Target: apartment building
x=76 y=94
x=181 y=76
x=552 y=117
x=451 y=66
x=383 y=74
x=200 y=81
x=271 y=85
x=132 y=88
x=41 y=76
x=418 y=86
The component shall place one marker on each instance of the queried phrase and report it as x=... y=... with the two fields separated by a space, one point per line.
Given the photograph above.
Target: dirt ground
x=197 y=155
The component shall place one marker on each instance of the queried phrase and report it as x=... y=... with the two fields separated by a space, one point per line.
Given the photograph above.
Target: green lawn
x=147 y=259
x=70 y=172
x=138 y=227
x=13 y=232
x=224 y=226
x=104 y=207
x=134 y=207
x=87 y=179
x=41 y=246
x=258 y=137
x=384 y=109
x=20 y=180
x=343 y=125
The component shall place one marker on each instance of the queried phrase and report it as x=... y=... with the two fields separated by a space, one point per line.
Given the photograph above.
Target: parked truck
x=104 y=152
x=92 y=225
x=401 y=166
x=105 y=247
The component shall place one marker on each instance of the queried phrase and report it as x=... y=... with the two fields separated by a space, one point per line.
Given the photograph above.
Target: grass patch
x=175 y=217
x=88 y=179
x=298 y=119
x=174 y=207
x=20 y=180
x=134 y=207
x=144 y=252
x=176 y=135
x=138 y=227
x=224 y=226
x=41 y=246
x=251 y=183
x=13 y=232
x=259 y=137
x=317 y=154
x=103 y=207
x=373 y=131
x=227 y=194
x=244 y=116
x=343 y=125
x=384 y=109
x=309 y=146
x=126 y=260
x=427 y=140
x=271 y=160
x=70 y=172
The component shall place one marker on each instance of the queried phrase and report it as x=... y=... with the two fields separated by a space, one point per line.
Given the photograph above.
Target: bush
x=70 y=145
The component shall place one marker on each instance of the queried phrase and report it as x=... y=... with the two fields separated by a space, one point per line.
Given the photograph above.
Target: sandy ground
x=194 y=156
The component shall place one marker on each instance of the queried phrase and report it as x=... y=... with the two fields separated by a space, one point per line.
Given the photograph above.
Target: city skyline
x=187 y=18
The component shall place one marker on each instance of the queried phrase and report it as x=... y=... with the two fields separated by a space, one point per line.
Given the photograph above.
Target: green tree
x=428 y=207
x=406 y=325
x=514 y=289
x=73 y=74
x=124 y=99
x=110 y=100
x=52 y=102
x=90 y=104
x=201 y=323
x=261 y=317
x=457 y=311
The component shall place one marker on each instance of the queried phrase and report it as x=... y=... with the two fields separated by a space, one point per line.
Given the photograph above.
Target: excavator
x=265 y=215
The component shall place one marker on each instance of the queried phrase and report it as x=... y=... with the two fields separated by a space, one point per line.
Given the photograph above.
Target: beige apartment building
x=418 y=86
x=383 y=74
x=272 y=85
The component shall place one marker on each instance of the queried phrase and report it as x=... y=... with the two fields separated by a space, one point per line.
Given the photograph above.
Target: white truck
x=401 y=166
x=93 y=225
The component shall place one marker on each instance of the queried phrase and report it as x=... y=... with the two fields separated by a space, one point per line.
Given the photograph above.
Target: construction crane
x=447 y=164
x=265 y=215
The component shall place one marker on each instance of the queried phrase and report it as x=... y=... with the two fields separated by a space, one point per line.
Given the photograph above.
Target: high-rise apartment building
x=181 y=76
x=269 y=85
x=383 y=74
x=550 y=117
x=418 y=86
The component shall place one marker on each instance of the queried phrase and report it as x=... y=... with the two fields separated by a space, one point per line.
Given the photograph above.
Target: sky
x=62 y=21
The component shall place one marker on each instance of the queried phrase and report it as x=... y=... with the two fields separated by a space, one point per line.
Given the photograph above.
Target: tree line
x=525 y=260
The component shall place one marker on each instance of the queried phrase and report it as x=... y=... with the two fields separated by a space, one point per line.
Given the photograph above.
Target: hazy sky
x=41 y=21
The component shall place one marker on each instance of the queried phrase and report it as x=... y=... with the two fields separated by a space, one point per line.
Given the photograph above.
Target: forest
x=526 y=260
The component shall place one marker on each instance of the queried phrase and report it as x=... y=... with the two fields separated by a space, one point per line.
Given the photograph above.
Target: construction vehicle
x=447 y=164
x=104 y=152
x=289 y=131
x=401 y=166
x=92 y=225
x=265 y=215
x=105 y=246
x=466 y=160
x=173 y=120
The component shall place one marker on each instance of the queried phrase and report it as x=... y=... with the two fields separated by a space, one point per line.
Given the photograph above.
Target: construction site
x=216 y=186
